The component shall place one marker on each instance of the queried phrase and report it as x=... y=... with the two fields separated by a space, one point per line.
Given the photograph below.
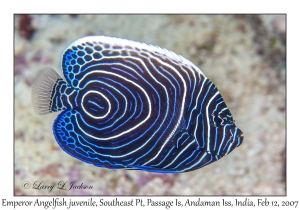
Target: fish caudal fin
x=42 y=90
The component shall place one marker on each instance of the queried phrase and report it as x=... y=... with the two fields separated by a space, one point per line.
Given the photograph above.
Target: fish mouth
x=240 y=137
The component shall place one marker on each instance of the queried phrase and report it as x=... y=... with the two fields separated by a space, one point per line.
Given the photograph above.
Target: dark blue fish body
x=135 y=106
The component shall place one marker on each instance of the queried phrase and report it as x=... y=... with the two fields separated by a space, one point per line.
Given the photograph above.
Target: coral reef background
x=244 y=55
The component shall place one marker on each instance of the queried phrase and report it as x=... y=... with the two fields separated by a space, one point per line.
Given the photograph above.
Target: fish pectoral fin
x=193 y=144
x=182 y=139
x=169 y=144
x=175 y=139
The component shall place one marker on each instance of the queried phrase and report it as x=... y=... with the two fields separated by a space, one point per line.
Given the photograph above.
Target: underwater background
x=244 y=55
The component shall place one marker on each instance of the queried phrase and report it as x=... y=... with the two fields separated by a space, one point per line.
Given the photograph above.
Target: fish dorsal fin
x=92 y=51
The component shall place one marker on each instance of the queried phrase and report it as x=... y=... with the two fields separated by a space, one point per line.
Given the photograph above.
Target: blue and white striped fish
x=131 y=105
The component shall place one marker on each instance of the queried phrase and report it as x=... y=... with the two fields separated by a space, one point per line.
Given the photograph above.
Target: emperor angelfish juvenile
x=131 y=105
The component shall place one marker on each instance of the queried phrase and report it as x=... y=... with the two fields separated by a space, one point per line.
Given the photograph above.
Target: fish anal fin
x=109 y=165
